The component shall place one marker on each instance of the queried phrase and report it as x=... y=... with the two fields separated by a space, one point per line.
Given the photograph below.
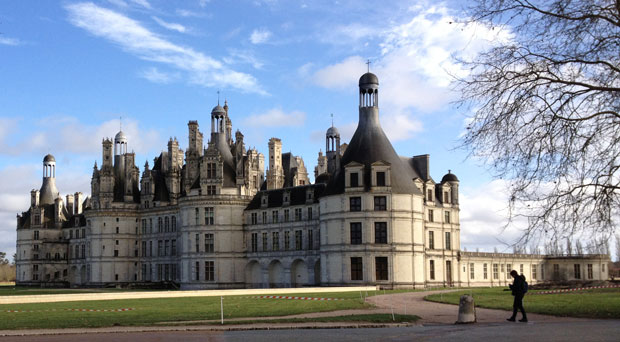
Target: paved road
x=594 y=330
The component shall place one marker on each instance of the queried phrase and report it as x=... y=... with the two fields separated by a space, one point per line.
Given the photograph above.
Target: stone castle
x=211 y=217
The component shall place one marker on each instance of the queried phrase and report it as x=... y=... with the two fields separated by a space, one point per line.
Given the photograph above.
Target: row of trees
x=7 y=270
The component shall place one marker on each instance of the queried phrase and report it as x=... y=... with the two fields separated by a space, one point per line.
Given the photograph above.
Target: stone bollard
x=467 y=310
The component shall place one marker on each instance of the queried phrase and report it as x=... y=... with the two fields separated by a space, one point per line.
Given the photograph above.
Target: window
x=356 y=233
x=431 y=240
x=143 y=226
x=159 y=248
x=116 y=252
x=287 y=240
x=166 y=247
x=577 y=269
x=446 y=216
x=430 y=216
x=432 y=269
x=166 y=224
x=197 y=216
x=197 y=243
x=151 y=225
x=265 y=242
x=35 y=272
x=211 y=170
x=354 y=179
x=357 y=272
x=309 y=213
x=380 y=178
x=254 y=242
x=286 y=215
x=534 y=271
x=380 y=203
x=381 y=268
x=310 y=239
x=264 y=217
x=36 y=235
x=173 y=247
x=209 y=270
x=446 y=197
x=150 y=248
x=173 y=221
x=209 y=243
x=380 y=232
x=70 y=234
x=159 y=225
x=484 y=271
x=254 y=217
x=508 y=269
x=197 y=269
x=83 y=233
x=274 y=216
x=355 y=204
x=495 y=272
x=211 y=190
x=209 y=216
x=83 y=251
x=429 y=195
x=521 y=269
x=298 y=240
x=37 y=219
x=590 y=273
x=275 y=241
x=471 y=271
x=448 y=241
x=297 y=214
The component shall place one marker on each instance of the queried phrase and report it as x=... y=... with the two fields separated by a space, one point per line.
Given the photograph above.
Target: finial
x=218 y=97
x=120 y=123
x=332 y=114
x=449 y=171
x=368 y=64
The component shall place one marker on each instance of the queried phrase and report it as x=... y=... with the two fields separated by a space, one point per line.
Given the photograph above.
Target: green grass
x=369 y=318
x=8 y=290
x=596 y=303
x=150 y=311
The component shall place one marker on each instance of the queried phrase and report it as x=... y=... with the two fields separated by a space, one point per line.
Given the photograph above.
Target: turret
x=332 y=149
x=48 y=192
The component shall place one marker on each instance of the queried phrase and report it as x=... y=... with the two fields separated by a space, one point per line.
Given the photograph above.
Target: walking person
x=518 y=289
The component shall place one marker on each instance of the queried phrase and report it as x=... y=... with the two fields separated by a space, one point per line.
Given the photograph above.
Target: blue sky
x=70 y=69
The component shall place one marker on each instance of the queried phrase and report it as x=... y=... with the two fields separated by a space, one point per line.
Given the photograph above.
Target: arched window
x=167 y=224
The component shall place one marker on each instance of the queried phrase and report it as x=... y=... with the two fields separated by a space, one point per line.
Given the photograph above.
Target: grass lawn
x=369 y=318
x=149 y=311
x=597 y=303
x=11 y=290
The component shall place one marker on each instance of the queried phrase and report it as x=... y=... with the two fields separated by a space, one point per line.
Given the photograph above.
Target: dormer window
x=380 y=178
x=354 y=179
x=429 y=195
x=446 y=197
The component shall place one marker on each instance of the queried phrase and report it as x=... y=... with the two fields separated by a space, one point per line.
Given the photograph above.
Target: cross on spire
x=332 y=115
x=218 y=97
x=368 y=64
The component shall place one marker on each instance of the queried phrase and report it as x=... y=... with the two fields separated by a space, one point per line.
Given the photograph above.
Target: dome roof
x=218 y=109
x=120 y=136
x=449 y=177
x=332 y=131
x=368 y=78
x=49 y=158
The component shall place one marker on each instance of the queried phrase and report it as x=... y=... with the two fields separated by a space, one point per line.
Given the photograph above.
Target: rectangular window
x=209 y=270
x=116 y=252
x=534 y=271
x=254 y=217
x=254 y=242
x=287 y=240
x=357 y=269
x=310 y=239
x=309 y=213
x=36 y=235
x=298 y=240
x=590 y=273
x=275 y=241
x=521 y=269
x=508 y=269
x=446 y=216
x=355 y=204
x=197 y=270
x=209 y=243
x=381 y=268
x=143 y=226
x=430 y=216
x=143 y=248
x=286 y=215
x=432 y=269
x=446 y=197
x=380 y=178
x=211 y=170
x=556 y=271
x=380 y=232
x=448 y=241
x=431 y=240
x=209 y=216
x=380 y=203
x=197 y=211
x=166 y=247
x=274 y=216
x=160 y=248
x=495 y=272
x=577 y=269
x=484 y=271
x=356 y=233
x=211 y=190
x=265 y=242
x=264 y=216
x=197 y=243
x=173 y=247
x=150 y=248
x=429 y=195
x=354 y=179
x=297 y=214
x=471 y=271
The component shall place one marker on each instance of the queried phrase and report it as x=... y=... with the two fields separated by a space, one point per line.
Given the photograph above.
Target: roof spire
x=368 y=64
x=218 y=97
x=120 y=123
x=332 y=114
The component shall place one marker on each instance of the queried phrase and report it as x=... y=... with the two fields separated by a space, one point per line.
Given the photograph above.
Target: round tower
x=332 y=149
x=48 y=192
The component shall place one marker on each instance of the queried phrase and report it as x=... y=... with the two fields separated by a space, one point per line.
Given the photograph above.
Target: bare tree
x=547 y=111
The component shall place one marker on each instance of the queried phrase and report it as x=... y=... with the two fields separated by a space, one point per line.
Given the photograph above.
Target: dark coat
x=517 y=286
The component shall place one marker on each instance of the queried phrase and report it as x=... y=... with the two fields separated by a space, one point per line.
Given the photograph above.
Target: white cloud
x=154 y=75
x=343 y=75
x=187 y=13
x=242 y=57
x=132 y=37
x=351 y=34
x=119 y=3
x=203 y=3
x=170 y=26
x=276 y=118
x=9 y=41
x=260 y=36
x=143 y=3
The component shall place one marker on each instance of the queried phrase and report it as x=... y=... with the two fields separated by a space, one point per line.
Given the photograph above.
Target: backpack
x=524 y=286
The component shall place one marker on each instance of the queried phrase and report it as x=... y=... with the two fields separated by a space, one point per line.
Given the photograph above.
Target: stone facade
x=218 y=219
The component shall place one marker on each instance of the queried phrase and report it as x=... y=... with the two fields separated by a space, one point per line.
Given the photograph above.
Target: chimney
x=79 y=199
x=69 y=204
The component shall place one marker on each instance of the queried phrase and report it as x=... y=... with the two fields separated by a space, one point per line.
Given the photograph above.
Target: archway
x=299 y=273
x=276 y=274
x=253 y=275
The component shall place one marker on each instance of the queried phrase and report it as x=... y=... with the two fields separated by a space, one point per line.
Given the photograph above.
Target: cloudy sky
x=70 y=70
